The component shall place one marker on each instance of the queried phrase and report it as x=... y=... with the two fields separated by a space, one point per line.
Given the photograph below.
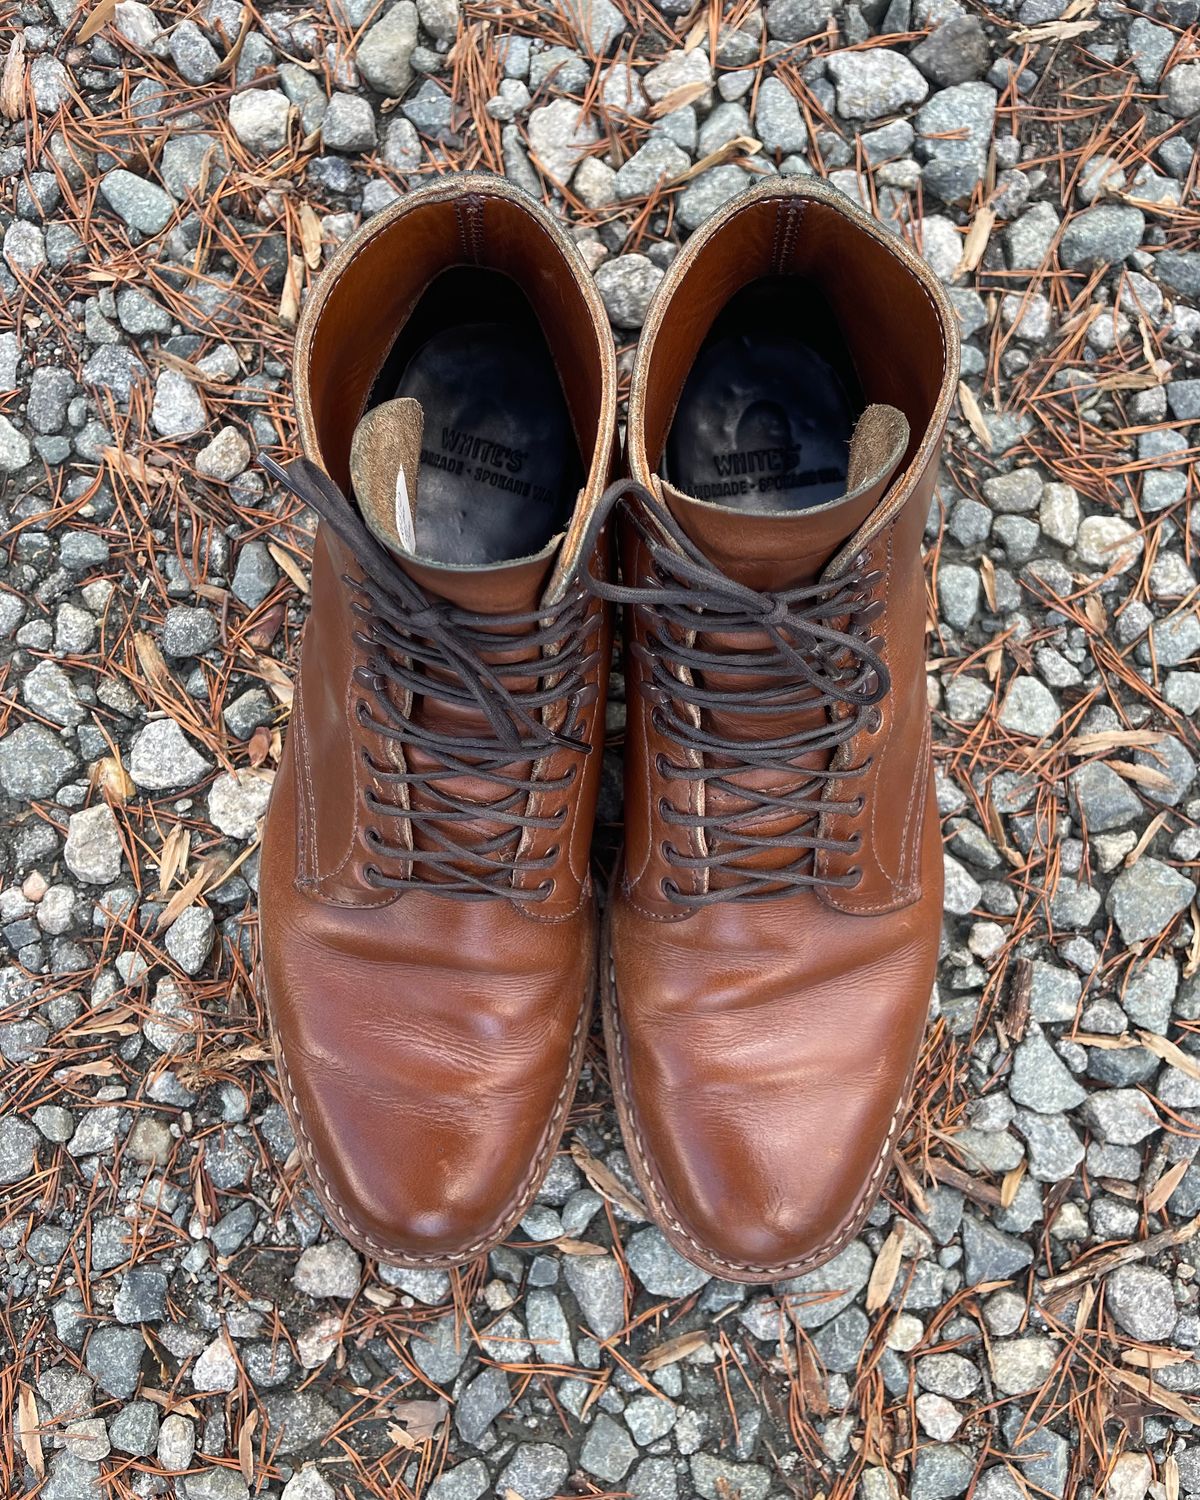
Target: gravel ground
x=1019 y=1317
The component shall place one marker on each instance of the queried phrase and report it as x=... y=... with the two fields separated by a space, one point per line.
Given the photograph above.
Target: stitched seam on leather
x=507 y=1217
x=845 y=1230
x=791 y=223
x=305 y=832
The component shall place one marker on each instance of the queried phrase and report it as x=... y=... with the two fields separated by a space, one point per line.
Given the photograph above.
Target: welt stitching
x=516 y=1205
x=845 y=1230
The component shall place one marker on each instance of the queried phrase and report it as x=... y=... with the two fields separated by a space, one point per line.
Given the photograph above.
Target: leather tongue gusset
x=385 y=461
x=773 y=549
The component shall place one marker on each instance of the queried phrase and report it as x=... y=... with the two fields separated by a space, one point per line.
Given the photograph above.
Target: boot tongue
x=385 y=464
x=788 y=548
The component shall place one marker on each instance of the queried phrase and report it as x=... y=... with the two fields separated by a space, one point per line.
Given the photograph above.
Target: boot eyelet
x=854 y=877
x=874 y=719
x=855 y=809
x=544 y=891
x=856 y=843
x=664 y=808
x=668 y=851
x=669 y=889
x=372 y=875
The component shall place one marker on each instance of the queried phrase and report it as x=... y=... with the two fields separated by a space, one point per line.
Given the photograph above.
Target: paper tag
x=406 y=532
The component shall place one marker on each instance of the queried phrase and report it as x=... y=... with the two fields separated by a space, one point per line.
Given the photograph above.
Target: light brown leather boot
x=774 y=926
x=428 y=919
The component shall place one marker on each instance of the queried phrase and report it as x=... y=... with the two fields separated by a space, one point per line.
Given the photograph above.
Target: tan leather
x=762 y=1049
x=428 y=1046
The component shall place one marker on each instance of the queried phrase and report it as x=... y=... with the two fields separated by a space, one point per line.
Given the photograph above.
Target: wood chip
x=885 y=1270
x=673 y=1350
x=12 y=80
x=1154 y=1393
x=976 y=241
x=27 y=1426
x=1053 y=31
x=1157 y=1197
x=173 y=857
x=606 y=1183
x=289 y=565
x=100 y=16
x=310 y=237
x=974 y=415
x=245 y=1446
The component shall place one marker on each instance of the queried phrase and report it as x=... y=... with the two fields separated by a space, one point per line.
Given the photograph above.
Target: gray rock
x=50 y=392
x=225 y=457
x=942 y=1470
x=659 y=161
x=439 y=1352
x=236 y=802
x=559 y=136
x=874 y=83
x=465 y=1481
x=24 y=248
x=348 y=124
x=255 y=575
x=34 y=763
x=1121 y=1117
x=1029 y=708
x=548 y=1328
x=1101 y=236
x=189 y=632
x=48 y=691
x=176 y=1442
x=15 y=451
x=1142 y=1302
x=627 y=283
x=1145 y=899
x=480 y=1403
x=708 y=192
x=1102 y=798
x=134 y=1429
x=114 y=1359
x=777 y=119
x=141 y=1296
x=193 y=54
x=717 y=1478
x=330 y=1270
x=161 y=758
x=18 y=1148
x=260 y=117
x=1029 y=238
x=536 y=1471
x=189 y=938
x=659 y=1266
x=599 y=1288
x=143 y=205
x=1053 y=1149
x=1040 y=1080
x=607 y=1450
x=215 y=1484
x=839 y=1344
x=991 y=1255
x=385 y=52
x=818 y=1296
x=956 y=52
x=178 y=411
x=958 y=594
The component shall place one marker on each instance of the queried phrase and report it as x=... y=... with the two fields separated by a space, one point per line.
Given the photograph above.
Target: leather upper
x=764 y=1047
x=429 y=1045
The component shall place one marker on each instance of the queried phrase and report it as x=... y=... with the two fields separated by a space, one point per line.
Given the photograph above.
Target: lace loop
x=721 y=658
x=504 y=670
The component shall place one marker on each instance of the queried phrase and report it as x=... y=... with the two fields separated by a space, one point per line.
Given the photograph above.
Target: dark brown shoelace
x=435 y=650
x=818 y=668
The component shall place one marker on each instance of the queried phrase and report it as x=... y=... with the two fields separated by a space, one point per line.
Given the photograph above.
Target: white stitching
x=649 y=1180
x=504 y=1222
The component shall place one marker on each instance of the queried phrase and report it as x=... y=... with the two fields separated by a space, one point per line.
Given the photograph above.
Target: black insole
x=499 y=464
x=770 y=404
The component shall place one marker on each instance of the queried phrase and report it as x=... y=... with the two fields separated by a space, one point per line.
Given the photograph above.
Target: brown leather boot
x=774 y=926
x=428 y=920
